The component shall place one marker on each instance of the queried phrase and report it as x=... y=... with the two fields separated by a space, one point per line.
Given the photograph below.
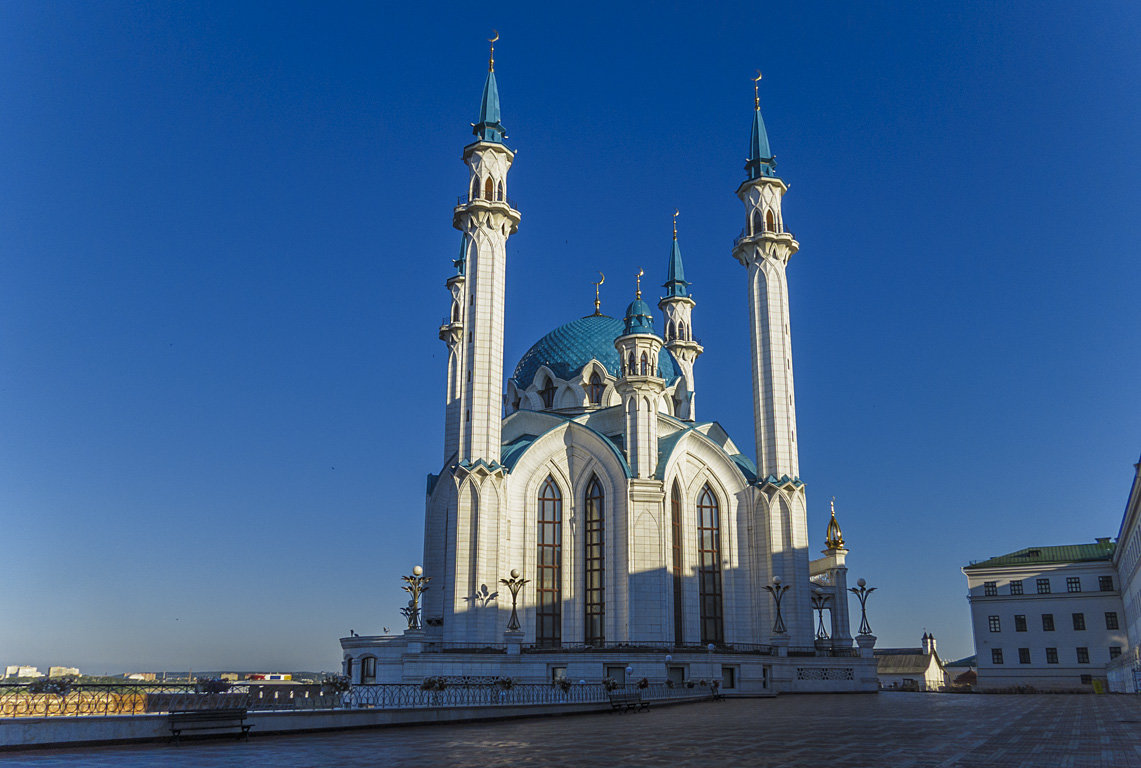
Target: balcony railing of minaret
x=465 y=199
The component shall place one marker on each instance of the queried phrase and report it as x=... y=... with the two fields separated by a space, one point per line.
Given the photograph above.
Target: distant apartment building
x=19 y=670
x=1050 y=618
x=1125 y=671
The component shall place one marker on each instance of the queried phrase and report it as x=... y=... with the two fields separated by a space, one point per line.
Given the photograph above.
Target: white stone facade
x=1125 y=672
x=648 y=538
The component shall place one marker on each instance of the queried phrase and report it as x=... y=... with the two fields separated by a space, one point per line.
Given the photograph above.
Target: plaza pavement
x=888 y=730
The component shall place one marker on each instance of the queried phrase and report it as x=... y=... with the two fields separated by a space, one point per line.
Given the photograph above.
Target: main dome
x=568 y=348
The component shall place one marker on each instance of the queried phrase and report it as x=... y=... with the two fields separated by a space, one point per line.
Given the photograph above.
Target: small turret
x=834 y=538
x=640 y=384
x=677 y=307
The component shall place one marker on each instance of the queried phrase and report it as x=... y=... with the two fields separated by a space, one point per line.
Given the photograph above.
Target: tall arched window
x=681 y=331
x=475 y=188
x=769 y=222
x=755 y=223
x=595 y=565
x=675 y=566
x=548 y=394
x=645 y=365
x=349 y=667
x=499 y=191
x=709 y=569
x=549 y=611
x=594 y=391
x=631 y=369
x=489 y=189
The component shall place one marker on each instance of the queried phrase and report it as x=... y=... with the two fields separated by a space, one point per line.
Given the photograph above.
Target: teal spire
x=675 y=284
x=489 y=128
x=639 y=318
x=461 y=263
x=761 y=161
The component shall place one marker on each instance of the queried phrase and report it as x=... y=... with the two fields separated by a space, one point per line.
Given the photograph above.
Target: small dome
x=639 y=317
x=834 y=538
x=567 y=349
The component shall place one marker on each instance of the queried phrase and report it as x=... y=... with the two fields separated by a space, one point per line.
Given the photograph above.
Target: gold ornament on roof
x=676 y=214
x=834 y=538
x=597 y=303
x=757 y=90
x=638 y=277
x=491 y=56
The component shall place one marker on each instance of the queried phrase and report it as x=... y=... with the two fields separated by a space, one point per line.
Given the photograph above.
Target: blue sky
x=225 y=233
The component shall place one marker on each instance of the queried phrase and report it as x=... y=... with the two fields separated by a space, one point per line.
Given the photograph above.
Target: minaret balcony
x=451 y=332
x=782 y=240
x=475 y=205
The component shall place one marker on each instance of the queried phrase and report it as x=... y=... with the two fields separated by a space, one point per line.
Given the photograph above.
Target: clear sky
x=225 y=228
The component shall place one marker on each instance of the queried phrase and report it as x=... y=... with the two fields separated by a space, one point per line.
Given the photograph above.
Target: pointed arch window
x=489 y=189
x=769 y=225
x=645 y=367
x=631 y=369
x=755 y=223
x=676 y=565
x=709 y=568
x=595 y=589
x=681 y=331
x=499 y=192
x=595 y=388
x=548 y=394
x=474 y=188
x=548 y=612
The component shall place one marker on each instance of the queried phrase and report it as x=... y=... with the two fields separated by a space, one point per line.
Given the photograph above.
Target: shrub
x=563 y=684
x=644 y=683
x=212 y=685
x=58 y=686
x=505 y=683
x=669 y=683
x=434 y=684
x=336 y=683
x=609 y=683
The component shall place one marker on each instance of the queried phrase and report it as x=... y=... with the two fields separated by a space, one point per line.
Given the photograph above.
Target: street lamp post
x=861 y=592
x=514 y=584
x=777 y=590
x=820 y=602
x=415 y=585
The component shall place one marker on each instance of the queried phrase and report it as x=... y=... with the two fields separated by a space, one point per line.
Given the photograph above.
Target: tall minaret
x=640 y=385
x=474 y=332
x=764 y=248
x=677 y=306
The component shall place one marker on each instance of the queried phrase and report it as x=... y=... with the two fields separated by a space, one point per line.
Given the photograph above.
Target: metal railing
x=464 y=200
x=404 y=696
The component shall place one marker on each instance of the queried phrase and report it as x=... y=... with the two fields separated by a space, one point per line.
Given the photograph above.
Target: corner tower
x=677 y=308
x=474 y=328
x=640 y=385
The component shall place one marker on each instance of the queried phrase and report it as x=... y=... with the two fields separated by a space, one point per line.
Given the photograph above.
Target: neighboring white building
x=1047 y=617
x=1125 y=672
x=18 y=670
x=912 y=669
x=63 y=672
x=642 y=531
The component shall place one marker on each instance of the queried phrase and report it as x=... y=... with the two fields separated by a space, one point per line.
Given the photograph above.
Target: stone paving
x=888 y=730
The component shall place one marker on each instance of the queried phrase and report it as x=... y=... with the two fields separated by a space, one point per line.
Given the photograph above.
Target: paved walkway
x=889 y=730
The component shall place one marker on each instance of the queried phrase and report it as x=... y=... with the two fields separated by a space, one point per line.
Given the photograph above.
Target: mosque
x=640 y=539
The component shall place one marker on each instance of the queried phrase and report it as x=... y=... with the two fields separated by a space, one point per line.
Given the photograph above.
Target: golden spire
x=491 y=56
x=597 y=303
x=834 y=538
x=638 y=277
x=676 y=214
x=757 y=91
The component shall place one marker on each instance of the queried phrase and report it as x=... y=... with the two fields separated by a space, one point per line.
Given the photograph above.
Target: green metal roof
x=1070 y=553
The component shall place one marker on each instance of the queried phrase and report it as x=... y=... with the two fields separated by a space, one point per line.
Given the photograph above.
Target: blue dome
x=639 y=317
x=567 y=349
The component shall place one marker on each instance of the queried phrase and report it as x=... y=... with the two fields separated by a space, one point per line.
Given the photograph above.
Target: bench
x=626 y=700
x=213 y=720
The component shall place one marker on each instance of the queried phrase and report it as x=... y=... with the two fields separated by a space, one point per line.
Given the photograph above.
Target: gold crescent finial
x=491 y=56
x=639 y=279
x=757 y=91
x=597 y=303
x=833 y=502
x=676 y=214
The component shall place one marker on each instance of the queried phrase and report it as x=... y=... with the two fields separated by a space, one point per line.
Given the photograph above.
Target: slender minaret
x=640 y=385
x=474 y=331
x=835 y=553
x=764 y=248
x=677 y=306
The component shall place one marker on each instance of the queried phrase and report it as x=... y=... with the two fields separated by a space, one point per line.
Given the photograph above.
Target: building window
x=1079 y=621
x=548 y=395
x=1105 y=583
x=645 y=366
x=755 y=222
x=675 y=525
x=1073 y=584
x=728 y=678
x=557 y=674
x=488 y=189
x=1047 y=622
x=709 y=572
x=1023 y=655
x=1083 y=655
x=349 y=668
x=499 y=192
x=474 y=188
x=990 y=588
x=368 y=669
x=1114 y=651
x=993 y=624
x=1016 y=587
x=1019 y=623
x=616 y=672
x=594 y=390
x=1043 y=586
x=630 y=369
x=1111 y=620
x=769 y=225
x=996 y=655
x=548 y=612
x=595 y=568
x=1051 y=655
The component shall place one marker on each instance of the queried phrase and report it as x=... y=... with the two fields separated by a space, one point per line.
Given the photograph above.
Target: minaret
x=677 y=306
x=474 y=331
x=835 y=553
x=764 y=248
x=640 y=385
